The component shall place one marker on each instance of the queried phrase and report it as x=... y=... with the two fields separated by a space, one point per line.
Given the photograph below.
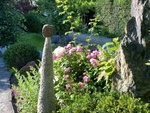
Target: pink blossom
x=81 y=85
x=59 y=51
x=79 y=48
x=88 y=50
x=85 y=79
x=94 y=62
x=70 y=53
x=54 y=57
x=67 y=70
x=94 y=54
x=72 y=50
x=88 y=56
x=69 y=46
x=68 y=86
x=66 y=76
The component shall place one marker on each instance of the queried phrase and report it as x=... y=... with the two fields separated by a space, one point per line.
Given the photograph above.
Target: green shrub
x=33 y=22
x=108 y=102
x=116 y=102
x=26 y=92
x=20 y=54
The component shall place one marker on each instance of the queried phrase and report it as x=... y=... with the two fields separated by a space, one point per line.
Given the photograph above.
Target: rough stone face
x=132 y=75
x=48 y=30
x=27 y=67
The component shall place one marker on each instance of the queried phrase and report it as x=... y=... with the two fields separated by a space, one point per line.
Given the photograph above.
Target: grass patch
x=32 y=38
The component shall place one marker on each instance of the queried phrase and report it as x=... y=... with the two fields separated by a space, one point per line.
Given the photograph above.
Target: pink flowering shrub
x=79 y=69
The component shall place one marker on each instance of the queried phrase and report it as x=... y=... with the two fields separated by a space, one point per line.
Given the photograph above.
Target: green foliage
x=97 y=66
x=114 y=15
x=108 y=102
x=66 y=15
x=10 y=24
x=20 y=54
x=120 y=103
x=33 y=22
x=73 y=11
x=107 y=59
x=27 y=91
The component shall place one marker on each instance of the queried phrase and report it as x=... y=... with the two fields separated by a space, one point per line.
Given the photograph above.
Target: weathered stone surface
x=48 y=30
x=27 y=67
x=46 y=98
x=132 y=75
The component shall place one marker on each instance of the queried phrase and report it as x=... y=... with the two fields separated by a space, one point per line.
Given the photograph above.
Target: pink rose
x=59 y=51
x=69 y=46
x=72 y=50
x=81 y=85
x=85 y=79
x=94 y=62
x=88 y=56
x=68 y=86
x=94 y=54
x=66 y=76
x=54 y=57
x=79 y=48
x=67 y=70
x=88 y=50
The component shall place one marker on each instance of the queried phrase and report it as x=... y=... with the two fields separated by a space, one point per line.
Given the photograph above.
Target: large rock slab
x=132 y=75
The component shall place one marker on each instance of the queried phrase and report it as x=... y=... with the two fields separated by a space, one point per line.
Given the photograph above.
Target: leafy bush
x=26 y=92
x=19 y=54
x=67 y=15
x=33 y=22
x=108 y=102
x=79 y=69
x=10 y=24
x=120 y=103
x=112 y=11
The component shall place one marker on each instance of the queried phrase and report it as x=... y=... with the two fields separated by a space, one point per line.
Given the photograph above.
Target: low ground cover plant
x=26 y=93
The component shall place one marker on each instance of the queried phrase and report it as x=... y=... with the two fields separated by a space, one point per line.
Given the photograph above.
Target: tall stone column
x=46 y=99
x=132 y=75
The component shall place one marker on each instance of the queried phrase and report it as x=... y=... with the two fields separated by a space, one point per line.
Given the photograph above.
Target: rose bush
x=81 y=70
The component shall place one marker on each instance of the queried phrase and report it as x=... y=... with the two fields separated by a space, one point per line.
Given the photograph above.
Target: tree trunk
x=46 y=100
x=132 y=75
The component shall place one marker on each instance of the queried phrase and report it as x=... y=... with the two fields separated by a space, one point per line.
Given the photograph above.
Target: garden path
x=5 y=92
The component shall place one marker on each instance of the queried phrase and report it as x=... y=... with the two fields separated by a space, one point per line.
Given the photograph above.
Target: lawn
x=32 y=38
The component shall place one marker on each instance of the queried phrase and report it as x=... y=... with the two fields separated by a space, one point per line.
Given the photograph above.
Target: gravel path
x=5 y=92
